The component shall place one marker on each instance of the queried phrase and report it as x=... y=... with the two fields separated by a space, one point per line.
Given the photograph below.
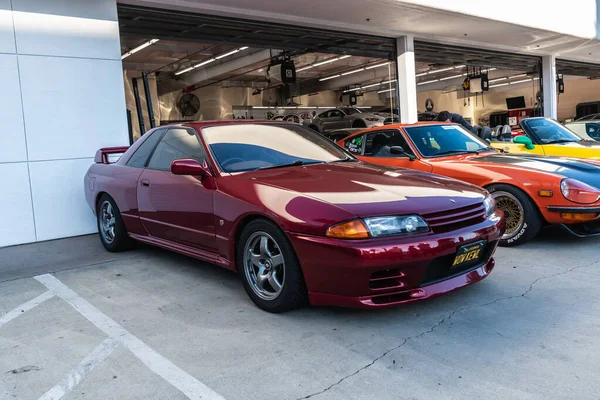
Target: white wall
x=61 y=99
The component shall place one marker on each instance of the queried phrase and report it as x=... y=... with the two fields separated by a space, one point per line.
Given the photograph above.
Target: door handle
x=145 y=182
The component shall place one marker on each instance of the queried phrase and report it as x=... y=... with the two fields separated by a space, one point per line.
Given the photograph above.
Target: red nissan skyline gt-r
x=297 y=216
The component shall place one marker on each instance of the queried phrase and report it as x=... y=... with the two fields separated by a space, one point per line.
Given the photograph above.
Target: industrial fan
x=188 y=104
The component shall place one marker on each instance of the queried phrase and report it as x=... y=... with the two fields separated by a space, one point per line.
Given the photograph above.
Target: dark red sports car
x=297 y=216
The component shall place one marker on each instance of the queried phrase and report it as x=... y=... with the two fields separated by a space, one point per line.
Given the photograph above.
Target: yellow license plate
x=468 y=254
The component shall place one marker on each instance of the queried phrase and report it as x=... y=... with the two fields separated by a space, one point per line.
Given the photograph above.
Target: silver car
x=345 y=117
x=585 y=129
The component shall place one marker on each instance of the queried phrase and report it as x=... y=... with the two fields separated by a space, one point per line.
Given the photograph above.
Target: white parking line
x=187 y=384
x=12 y=314
x=86 y=366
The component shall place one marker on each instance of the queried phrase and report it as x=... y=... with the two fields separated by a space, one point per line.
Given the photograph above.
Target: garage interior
x=200 y=67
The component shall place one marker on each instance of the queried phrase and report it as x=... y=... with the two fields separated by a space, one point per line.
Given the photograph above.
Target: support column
x=549 y=86
x=406 y=86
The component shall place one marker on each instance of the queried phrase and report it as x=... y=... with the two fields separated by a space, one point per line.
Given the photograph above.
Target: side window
x=177 y=143
x=335 y=114
x=140 y=157
x=324 y=115
x=578 y=128
x=355 y=144
x=593 y=130
x=378 y=144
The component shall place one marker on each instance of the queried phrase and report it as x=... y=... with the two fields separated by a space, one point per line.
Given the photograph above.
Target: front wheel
x=523 y=221
x=269 y=268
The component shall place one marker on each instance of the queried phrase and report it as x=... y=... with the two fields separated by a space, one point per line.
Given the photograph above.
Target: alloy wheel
x=264 y=265
x=108 y=225
x=513 y=213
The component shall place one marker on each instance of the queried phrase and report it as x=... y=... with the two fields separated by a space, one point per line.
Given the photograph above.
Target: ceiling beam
x=214 y=71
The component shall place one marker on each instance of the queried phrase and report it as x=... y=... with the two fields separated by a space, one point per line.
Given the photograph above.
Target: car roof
x=204 y=124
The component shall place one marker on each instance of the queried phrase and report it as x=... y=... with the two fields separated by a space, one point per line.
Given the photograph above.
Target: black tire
x=359 y=124
x=293 y=293
x=513 y=201
x=120 y=240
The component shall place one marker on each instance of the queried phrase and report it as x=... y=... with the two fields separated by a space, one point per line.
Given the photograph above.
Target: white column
x=407 y=83
x=549 y=85
x=62 y=98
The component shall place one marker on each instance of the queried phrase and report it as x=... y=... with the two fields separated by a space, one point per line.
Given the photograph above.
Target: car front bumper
x=390 y=271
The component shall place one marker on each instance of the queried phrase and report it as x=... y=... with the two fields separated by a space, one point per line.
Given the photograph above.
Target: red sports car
x=297 y=216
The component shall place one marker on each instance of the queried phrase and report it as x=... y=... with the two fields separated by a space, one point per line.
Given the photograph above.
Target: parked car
x=346 y=117
x=545 y=136
x=338 y=134
x=299 y=118
x=297 y=216
x=585 y=129
x=532 y=191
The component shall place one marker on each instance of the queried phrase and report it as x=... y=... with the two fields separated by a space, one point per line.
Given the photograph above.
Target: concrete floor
x=529 y=331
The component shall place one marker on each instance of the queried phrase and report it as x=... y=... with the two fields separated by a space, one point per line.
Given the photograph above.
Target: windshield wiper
x=563 y=141
x=292 y=164
x=443 y=153
x=347 y=159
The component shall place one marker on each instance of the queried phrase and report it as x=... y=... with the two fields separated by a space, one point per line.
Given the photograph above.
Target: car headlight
x=373 y=119
x=579 y=192
x=385 y=226
x=490 y=205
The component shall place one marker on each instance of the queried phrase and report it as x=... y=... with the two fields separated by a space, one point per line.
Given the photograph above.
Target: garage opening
x=204 y=67
x=488 y=88
x=580 y=97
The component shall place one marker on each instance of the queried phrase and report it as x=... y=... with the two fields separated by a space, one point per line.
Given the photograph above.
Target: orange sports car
x=533 y=191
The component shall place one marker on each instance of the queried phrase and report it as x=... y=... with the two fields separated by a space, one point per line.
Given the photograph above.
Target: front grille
x=440 y=268
x=386 y=279
x=457 y=218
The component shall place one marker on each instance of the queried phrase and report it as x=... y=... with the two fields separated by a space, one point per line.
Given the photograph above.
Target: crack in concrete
x=442 y=321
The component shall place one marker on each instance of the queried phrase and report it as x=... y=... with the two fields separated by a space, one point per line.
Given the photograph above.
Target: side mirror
x=189 y=166
x=399 y=150
x=524 y=140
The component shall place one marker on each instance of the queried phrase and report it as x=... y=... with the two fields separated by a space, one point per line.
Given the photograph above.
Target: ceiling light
x=243 y=48
x=364 y=107
x=377 y=65
x=498 y=79
x=498 y=85
x=425 y=83
x=226 y=54
x=370 y=86
x=140 y=47
x=517 y=76
x=386 y=90
x=305 y=68
x=521 y=81
x=422 y=74
x=325 y=62
x=183 y=71
x=459 y=66
x=393 y=80
x=343 y=57
x=441 y=70
x=261 y=107
x=329 y=77
x=352 y=72
x=451 y=77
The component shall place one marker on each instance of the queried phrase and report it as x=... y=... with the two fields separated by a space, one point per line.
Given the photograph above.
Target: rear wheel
x=359 y=124
x=523 y=221
x=111 y=228
x=269 y=268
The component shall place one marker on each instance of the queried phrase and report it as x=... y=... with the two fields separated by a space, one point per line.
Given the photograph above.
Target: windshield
x=442 y=140
x=586 y=130
x=350 y=111
x=248 y=147
x=548 y=131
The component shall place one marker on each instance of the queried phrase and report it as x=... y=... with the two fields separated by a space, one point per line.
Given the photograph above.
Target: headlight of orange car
x=378 y=226
x=579 y=192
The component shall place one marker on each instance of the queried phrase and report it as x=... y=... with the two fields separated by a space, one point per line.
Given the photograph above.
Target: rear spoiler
x=102 y=154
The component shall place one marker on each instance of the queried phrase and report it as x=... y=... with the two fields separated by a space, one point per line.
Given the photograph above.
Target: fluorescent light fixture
x=183 y=71
x=422 y=74
x=226 y=54
x=325 y=62
x=140 y=47
x=426 y=82
x=261 y=107
x=305 y=68
x=344 y=57
x=517 y=76
x=393 y=80
x=498 y=79
x=490 y=69
x=377 y=65
x=441 y=70
x=451 y=77
x=364 y=107
x=329 y=77
x=459 y=66
x=521 y=81
x=498 y=85
x=352 y=72
x=386 y=90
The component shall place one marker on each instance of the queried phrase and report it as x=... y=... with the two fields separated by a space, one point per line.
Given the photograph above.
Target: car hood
x=367 y=190
x=582 y=170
